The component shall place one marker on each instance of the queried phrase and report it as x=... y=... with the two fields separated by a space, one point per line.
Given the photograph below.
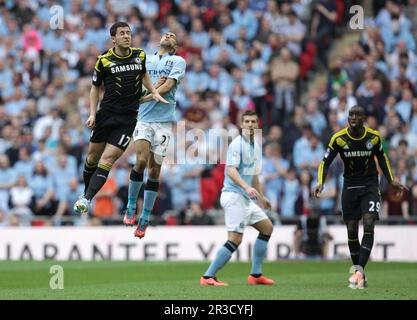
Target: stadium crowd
x=244 y=54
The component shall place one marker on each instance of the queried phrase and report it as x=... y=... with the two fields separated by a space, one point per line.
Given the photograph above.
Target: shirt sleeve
x=328 y=158
x=98 y=73
x=142 y=56
x=382 y=159
x=178 y=69
x=234 y=155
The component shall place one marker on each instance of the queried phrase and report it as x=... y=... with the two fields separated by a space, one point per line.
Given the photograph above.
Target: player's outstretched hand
x=156 y=96
x=317 y=190
x=91 y=121
x=399 y=188
x=253 y=193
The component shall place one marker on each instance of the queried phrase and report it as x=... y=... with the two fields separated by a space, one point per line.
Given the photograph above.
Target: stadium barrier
x=194 y=243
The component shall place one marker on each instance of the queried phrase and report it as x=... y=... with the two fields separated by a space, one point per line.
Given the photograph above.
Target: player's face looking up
x=169 y=40
x=356 y=118
x=123 y=37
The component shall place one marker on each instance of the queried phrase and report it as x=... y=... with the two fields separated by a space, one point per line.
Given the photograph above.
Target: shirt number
x=373 y=206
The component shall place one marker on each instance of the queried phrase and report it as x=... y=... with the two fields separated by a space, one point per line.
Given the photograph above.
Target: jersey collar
x=113 y=51
x=164 y=55
x=364 y=135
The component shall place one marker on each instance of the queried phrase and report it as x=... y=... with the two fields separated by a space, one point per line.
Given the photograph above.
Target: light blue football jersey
x=170 y=66
x=247 y=158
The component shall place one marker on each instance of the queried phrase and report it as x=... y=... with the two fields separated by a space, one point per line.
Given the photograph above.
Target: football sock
x=88 y=171
x=135 y=183
x=259 y=253
x=222 y=257
x=354 y=248
x=366 y=247
x=98 y=179
x=151 y=193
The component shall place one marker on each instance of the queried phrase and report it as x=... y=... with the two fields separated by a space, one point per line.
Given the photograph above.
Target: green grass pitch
x=179 y=281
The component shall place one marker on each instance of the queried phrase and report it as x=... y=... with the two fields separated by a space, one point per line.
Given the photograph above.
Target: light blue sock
x=259 y=253
x=222 y=257
x=151 y=193
x=133 y=193
x=135 y=183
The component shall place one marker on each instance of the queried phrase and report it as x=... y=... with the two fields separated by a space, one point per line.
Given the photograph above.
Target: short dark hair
x=248 y=113
x=359 y=108
x=120 y=24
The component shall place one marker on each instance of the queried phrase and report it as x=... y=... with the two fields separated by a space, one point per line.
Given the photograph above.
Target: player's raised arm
x=329 y=156
x=385 y=166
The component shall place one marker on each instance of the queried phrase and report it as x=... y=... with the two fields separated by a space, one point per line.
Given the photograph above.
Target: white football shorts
x=157 y=133
x=239 y=211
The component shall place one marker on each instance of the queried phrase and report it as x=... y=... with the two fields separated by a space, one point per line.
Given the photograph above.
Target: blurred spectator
x=8 y=178
x=245 y=19
x=403 y=133
x=14 y=221
x=311 y=238
x=394 y=206
x=67 y=195
x=3 y=220
x=105 y=201
x=310 y=156
x=239 y=103
x=302 y=144
x=284 y=71
x=403 y=107
x=25 y=165
x=323 y=26
x=274 y=170
x=292 y=33
x=164 y=201
x=185 y=184
x=315 y=117
x=328 y=196
x=197 y=216
x=53 y=121
x=342 y=103
x=41 y=182
x=32 y=43
x=21 y=197
x=291 y=190
x=303 y=202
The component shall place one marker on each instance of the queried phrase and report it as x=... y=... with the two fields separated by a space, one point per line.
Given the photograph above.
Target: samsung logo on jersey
x=128 y=67
x=351 y=154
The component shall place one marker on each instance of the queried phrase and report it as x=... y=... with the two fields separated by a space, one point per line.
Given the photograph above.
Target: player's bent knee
x=235 y=238
x=109 y=159
x=154 y=173
x=269 y=230
x=93 y=159
x=140 y=164
x=237 y=242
